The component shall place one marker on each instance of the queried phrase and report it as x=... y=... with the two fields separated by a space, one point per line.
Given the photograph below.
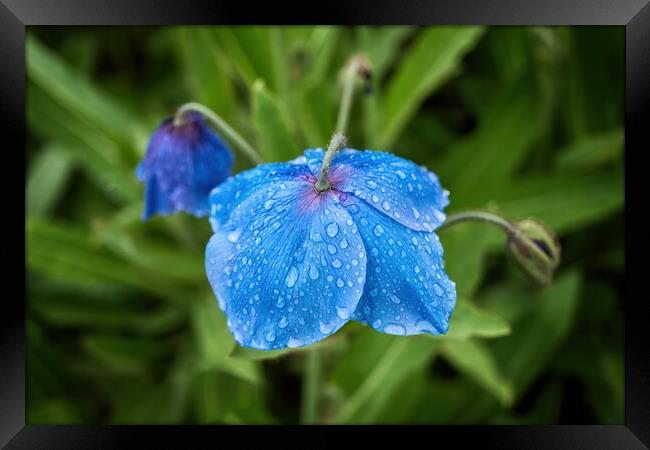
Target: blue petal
x=407 y=290
x=265 y=177
x=288 y=267
x=154 y=201
x=410 y=194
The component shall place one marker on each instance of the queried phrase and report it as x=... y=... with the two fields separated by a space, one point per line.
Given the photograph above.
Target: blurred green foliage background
x=122 y=326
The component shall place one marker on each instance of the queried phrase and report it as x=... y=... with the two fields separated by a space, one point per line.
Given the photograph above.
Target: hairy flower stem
x=350 y=73
x=336 y=144
x=478 y=216
x=310 y=388
x=349 y=80
x=534 y=248
x=222 y=127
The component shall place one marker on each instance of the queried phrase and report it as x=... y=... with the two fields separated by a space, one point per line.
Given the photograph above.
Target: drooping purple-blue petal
x=181 y=166
x=288 y=266
x=398 y=188
x=407 y=290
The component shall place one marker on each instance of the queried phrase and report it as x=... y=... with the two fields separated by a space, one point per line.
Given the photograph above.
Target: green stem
x=349 y=81
x=310 y=388
x=337 y=143
x=338 y=140
x=221 y=127
x=478 y=216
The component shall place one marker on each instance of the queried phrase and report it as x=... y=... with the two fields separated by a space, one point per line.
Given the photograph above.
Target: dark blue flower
x=183 y=163
x=290 y=265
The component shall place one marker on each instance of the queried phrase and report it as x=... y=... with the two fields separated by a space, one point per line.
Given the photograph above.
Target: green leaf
x=563 y=202
x=375 y=366
x=204 y=68
x=468 y=320
x=141 y=402
x=75 y=93
x=97 y=154
x=382 y=47
x=221 y=399
x=250 y=51
x=476 y=168
x=315 y=108
x=48 y=177
x=474 y=359
x=146 y=322
x=171 y=263
x=592 y=151
x=535 y=336
x=465 y=248
x=430 y=61
x=121 y=354
x=215 y=342
x=547 y=324
x=66 y=252
x=271 y=123
x=321 y=48
x=595 y=98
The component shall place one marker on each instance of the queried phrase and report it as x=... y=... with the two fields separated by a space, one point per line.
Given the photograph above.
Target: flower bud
x=535 y=249
x=185 y=159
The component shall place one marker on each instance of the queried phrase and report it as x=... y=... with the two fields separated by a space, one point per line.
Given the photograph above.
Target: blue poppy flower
x=290 y=265
x=183 y=163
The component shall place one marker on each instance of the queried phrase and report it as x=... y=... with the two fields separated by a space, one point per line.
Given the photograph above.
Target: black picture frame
x=634 y=15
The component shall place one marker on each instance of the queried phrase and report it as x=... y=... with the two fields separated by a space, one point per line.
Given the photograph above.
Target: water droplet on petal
x=313 y=272
x=379 y=230
x=424 y=326
x=233 y=236
x=371 y=184
x=386 y=206
x=342 y=312
x=332 y=229
x=292 y=276
x=337 y=263
x=344 y=244
x=331 y=249
x=283 y=322
x=293 y=342
x=270 y=336
x=395 y=328
x=326 y=328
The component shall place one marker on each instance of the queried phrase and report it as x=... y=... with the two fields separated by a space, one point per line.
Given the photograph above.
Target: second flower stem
x=478 y=216
x=223 y=128
x=310 y=388
x=349 y=80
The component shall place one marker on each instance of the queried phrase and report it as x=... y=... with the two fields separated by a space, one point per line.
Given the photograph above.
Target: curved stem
x=310 y=388
x=222 y=127
x=478 y=216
